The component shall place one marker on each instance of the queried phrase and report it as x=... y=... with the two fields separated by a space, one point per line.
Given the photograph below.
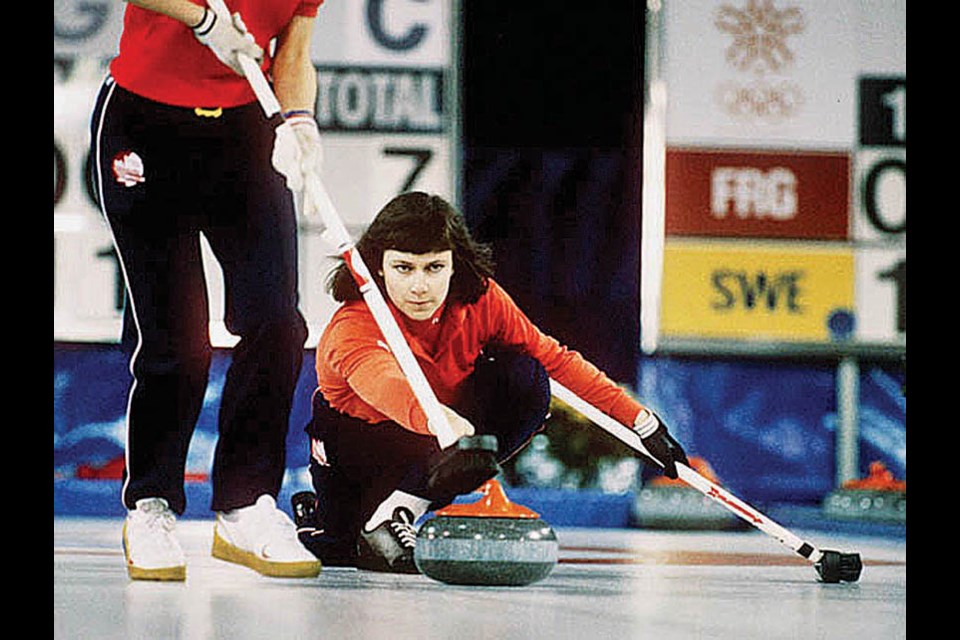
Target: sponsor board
x=785 y=123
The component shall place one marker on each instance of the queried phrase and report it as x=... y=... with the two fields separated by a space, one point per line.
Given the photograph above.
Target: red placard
x=757 y=194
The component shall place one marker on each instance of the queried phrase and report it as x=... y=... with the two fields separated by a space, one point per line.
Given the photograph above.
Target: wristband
x=645 y=423
x=204 y=26
x=297 y=112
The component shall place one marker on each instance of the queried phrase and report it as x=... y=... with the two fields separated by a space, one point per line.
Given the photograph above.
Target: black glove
x=660 y=444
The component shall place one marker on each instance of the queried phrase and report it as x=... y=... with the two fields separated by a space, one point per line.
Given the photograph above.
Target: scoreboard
x=783 y=169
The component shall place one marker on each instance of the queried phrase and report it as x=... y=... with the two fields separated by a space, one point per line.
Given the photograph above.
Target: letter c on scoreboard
x=400 y=42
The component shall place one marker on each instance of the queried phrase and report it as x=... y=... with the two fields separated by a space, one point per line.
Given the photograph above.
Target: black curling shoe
x=332 y=551
x=389 y=547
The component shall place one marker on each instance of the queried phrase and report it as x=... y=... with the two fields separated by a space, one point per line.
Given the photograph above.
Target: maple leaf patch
x=128 y=168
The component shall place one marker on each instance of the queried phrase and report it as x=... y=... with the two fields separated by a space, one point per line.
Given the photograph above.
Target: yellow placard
x=749 y=291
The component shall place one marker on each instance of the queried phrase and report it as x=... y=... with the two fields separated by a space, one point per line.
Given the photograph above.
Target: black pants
x=508 y=396
x=209 y=175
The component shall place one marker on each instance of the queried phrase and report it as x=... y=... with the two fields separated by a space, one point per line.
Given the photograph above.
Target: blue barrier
x=767 y=429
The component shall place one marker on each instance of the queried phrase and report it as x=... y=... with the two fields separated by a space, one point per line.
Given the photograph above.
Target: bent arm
x=567 y=366
x=363 y=374
x=375 y=376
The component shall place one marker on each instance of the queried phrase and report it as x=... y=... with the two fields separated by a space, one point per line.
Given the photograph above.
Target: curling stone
x=877 y=498
x=664 y=503
x=491 y=542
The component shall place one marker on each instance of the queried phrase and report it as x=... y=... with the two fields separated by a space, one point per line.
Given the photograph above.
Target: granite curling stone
x=492 y=542
x=671 y=504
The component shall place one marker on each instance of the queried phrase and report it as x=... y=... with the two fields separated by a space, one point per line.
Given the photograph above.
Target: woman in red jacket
x=487 y=363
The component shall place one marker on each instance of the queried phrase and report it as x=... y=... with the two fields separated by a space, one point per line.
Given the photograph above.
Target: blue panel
x=89 y=404
x=883 y=419
x=90 y=387
x=769 y=428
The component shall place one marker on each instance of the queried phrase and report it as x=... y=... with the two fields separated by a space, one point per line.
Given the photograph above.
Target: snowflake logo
x=760 y=32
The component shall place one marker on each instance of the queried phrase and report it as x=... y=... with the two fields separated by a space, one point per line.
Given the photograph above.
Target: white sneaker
x=263 y=538
x=149 y=546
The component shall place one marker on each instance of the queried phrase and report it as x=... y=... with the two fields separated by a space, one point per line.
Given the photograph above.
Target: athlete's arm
x=294 y=76
x=185 y=11
x=298 y=151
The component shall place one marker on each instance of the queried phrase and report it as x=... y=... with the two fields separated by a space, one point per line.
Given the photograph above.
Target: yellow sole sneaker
x=177 y=573
x=223 y=550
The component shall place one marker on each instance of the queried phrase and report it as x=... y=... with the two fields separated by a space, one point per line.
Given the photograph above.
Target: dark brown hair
x=418 y=223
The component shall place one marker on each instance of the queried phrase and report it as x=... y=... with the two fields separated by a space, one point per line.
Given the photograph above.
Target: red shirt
x=162 y=60
x=359 y=376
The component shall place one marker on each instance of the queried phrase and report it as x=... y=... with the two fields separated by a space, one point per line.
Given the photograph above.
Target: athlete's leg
x=253 y=234
x=509 y=397
x=153 y=222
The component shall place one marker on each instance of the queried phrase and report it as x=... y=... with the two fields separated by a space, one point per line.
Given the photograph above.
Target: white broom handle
x=251 y=70
x=368 y=288
x=716 y=493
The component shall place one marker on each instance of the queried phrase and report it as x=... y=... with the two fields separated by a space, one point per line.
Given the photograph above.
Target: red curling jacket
x=359 y=376
x=160 y=59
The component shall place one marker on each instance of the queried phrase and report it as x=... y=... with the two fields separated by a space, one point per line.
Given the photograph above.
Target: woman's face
x=417 y=283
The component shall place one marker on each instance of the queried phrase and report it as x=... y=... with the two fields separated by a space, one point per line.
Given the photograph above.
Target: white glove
x=298 y=156
x=227 y=36
x=460 y=425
